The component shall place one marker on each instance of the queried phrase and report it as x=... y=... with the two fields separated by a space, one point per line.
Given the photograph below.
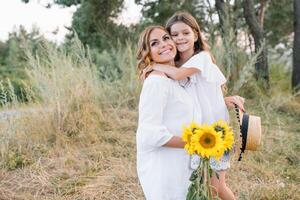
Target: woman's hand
x=232 y=100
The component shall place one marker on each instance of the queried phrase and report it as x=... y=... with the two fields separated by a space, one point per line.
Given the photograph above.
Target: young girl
x=203 y=80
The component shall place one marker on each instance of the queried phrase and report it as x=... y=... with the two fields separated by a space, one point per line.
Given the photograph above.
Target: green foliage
x=279 y=22
x=13 y=59
x=95 y=23
x=107 y=65
x=68 y=2
x=158 y=12
x=14 y=160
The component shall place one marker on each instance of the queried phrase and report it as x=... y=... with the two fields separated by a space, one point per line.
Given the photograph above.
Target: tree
x=223 y=15
x=94 y=22
x=278 y=21
x=296 y=50
x=2 y=52
x=261 y=66
x=159 y=11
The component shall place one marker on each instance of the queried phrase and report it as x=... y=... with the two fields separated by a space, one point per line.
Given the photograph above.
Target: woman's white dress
x=164 y=108
x=205 y=89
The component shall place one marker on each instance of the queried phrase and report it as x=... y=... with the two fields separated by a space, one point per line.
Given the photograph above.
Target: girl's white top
x=205 y=89
x=164 y=108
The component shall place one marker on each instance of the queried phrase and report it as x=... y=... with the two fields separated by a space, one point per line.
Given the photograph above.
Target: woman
x=162 y=163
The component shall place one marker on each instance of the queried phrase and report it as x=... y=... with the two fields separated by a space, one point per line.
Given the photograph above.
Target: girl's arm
x=231 y=101
x=174 y=72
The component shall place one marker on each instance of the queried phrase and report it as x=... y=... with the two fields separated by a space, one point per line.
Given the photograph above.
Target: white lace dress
x=205 y=89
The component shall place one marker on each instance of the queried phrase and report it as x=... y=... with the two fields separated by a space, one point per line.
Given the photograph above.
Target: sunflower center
x=207 y=140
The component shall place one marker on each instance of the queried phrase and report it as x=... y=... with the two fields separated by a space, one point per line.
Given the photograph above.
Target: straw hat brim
x=251 y=131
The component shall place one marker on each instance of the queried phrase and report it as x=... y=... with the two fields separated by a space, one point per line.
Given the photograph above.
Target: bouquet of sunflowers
x=205 y=141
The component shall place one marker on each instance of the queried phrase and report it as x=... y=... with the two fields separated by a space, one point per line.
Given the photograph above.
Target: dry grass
x=272 y=172
x=104 y=167
x=77 y=167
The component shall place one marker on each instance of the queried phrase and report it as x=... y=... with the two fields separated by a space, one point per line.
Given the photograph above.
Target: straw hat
x=250 y=131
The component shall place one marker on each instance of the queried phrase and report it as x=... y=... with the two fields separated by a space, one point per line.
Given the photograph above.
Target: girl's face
x=183 y=36
x=162 y=47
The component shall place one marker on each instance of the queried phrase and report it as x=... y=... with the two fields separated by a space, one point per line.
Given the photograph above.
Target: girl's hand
x=146 y=72
x=232 y=100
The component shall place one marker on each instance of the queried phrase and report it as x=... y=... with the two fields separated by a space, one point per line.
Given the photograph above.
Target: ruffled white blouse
x=205 y=89
x=163 y=109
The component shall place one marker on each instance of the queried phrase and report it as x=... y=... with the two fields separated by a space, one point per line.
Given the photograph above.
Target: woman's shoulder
x=158 y=73
x=156 y=77
x=155 y=84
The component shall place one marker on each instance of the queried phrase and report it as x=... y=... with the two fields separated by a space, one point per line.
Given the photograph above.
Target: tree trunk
x=296 y=50
x=227 y=39
x=262 y=13
x=261 y=66
x=220 y=6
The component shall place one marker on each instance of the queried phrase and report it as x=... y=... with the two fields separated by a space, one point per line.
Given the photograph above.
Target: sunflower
x=207 y=142
x=186 y=137
x=228 y=140
x=194 y=126
x=221 y=126
x=226 y=133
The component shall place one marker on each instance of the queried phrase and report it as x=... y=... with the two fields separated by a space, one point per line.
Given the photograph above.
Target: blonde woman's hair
x=143 y=50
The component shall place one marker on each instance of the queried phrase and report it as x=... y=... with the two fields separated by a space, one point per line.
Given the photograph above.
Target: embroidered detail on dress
x=222 y=164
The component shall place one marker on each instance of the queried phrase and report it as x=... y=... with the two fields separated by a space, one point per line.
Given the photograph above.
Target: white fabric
x=205 y=89
x=163 y=109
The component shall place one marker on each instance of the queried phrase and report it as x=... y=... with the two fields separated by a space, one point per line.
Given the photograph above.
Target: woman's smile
x=166 y=51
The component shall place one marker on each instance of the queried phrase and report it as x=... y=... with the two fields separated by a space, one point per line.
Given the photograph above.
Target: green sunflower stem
x=200 y=188
x=210 y=195
x=207 y=175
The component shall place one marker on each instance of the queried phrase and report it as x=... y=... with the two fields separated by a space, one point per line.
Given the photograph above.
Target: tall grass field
x=74 y=138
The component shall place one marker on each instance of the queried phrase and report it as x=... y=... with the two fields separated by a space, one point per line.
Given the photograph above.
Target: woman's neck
x=184 y=56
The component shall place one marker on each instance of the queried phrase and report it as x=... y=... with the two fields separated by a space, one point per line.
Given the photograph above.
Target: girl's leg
x=220 y=188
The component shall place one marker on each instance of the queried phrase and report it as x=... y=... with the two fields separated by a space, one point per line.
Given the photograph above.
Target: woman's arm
x=152 y=132
x=175 y=142
x=171 y=71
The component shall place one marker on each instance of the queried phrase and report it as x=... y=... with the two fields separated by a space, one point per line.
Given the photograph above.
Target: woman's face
x=162 y=47
x=183 y=36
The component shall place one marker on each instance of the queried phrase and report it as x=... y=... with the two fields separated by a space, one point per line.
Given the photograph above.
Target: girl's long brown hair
x=143 y=50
